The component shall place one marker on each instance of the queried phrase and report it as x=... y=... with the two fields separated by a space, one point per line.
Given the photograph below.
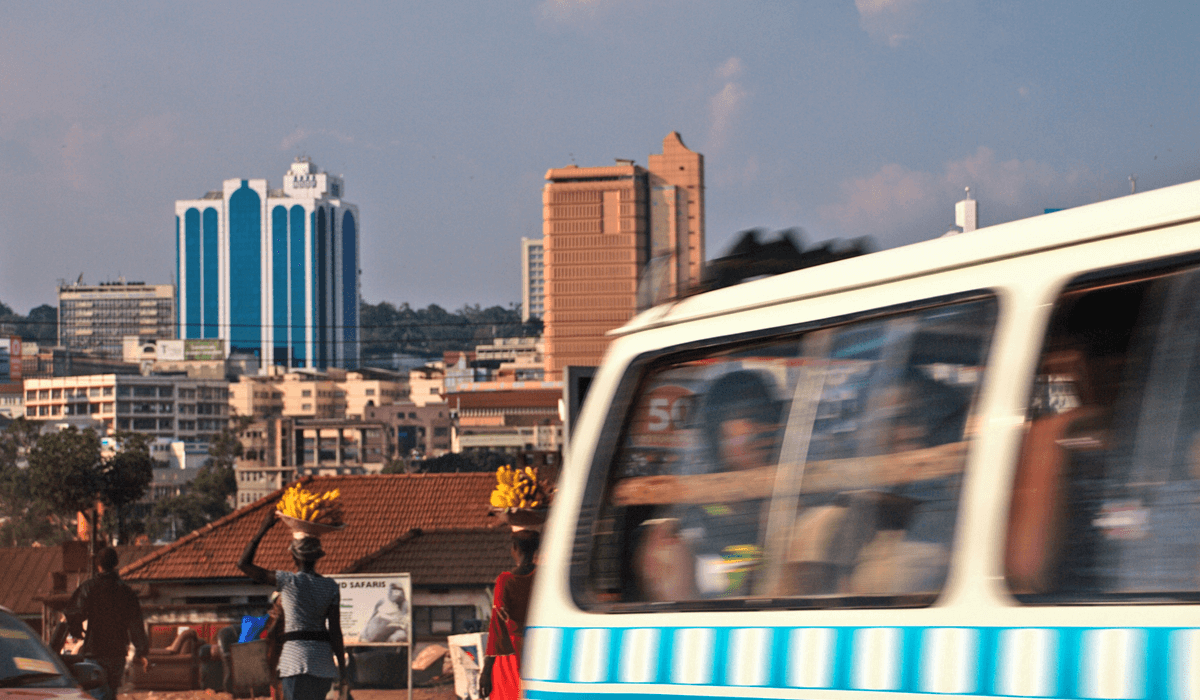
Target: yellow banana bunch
x=299 y=503
x=517 y=488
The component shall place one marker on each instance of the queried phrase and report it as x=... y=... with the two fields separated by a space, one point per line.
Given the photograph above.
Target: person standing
x=114 y=620
x=500 y=677
x=312 y=635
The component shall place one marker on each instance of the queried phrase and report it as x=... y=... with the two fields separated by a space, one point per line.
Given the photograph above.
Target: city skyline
x=843 y=119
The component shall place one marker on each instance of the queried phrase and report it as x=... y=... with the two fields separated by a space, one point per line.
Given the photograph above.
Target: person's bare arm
x=246 y=563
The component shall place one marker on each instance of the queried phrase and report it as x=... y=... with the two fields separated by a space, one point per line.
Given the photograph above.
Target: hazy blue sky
x=844 y=118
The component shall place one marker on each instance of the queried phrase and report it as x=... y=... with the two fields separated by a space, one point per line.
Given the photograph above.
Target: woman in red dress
x=500 y=678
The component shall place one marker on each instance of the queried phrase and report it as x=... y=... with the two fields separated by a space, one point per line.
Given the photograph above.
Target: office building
x=617 y=239
x=533 y=279
x=272 y=273
x=96 y=318
x=172 y=407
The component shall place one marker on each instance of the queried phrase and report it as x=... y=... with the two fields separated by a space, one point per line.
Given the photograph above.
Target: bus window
x=820 y=467
x=1106 y=499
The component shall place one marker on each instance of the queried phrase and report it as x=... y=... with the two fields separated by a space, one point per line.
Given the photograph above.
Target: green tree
x=210 y=495
x=126 y=477
x=207 y=498
x=65 y=470
x=24 y=519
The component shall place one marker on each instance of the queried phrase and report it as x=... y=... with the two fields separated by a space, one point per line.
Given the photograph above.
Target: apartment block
x=97 y=317
x=533 y=279
x=335 y=394
x=617 y=239
x=171 y=407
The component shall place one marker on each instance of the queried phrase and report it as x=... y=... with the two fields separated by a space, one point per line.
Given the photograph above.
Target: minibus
x=968 y=466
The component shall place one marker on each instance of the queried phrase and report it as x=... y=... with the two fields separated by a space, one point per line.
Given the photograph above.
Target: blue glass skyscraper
x=273 y=273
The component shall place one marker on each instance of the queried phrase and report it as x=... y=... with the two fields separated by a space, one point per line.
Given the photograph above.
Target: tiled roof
x=27 y=574
x=379 y=508
x=444 y=557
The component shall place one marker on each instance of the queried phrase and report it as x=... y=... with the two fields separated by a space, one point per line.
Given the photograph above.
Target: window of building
x=1106 y=495
x=369 y=392
x=306 y=407
x=94 y=391
x=108 y=391
x=782 y=468
x=56 y=393
x=31 y=396
x=44 y=394
x=306 y=393
x=441 y=620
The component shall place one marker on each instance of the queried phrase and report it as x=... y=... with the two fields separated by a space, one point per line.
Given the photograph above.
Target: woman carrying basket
x=500 y=678
x=312 y=636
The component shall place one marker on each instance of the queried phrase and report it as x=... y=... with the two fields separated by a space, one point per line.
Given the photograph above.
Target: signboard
x=376 y=609
x=204 y=349
x=169 y=350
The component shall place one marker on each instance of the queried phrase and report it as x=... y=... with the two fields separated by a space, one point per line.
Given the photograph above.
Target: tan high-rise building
x=606 y=230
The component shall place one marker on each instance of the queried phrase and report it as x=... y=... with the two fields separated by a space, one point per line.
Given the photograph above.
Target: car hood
x=44 y=694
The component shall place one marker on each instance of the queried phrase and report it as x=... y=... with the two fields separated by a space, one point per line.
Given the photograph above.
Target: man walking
x=114 y=620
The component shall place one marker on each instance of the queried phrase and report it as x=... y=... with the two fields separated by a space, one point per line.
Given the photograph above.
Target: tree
x=65 y=470
x=210 y=495
x=206 y=499
x=125 y=477
x=24 y=519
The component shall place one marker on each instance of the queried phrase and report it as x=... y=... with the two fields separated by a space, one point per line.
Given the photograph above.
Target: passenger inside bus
x=720 y=543
x=846 y=487
x=1106 y=499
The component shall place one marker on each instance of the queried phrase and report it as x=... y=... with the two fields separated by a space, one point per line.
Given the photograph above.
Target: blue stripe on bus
x=1085 y=663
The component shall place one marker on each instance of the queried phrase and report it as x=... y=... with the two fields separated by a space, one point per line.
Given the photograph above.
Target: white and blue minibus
x=964 y=467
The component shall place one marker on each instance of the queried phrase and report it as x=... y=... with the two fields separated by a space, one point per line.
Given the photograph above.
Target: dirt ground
x=444 y=691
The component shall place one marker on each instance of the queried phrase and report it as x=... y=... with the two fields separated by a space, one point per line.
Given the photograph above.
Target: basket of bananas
x=519 y=497
x=309 y=514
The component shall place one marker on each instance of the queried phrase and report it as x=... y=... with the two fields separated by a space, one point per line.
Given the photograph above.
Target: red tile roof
x=379 y=508
x=27 y=574
x=444 y=558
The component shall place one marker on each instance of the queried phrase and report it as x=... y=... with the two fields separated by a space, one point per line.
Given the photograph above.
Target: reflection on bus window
x=1106 y=502
x=823 y=466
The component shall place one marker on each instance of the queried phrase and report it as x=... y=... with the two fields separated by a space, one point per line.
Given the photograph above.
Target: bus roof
x=1115 y=217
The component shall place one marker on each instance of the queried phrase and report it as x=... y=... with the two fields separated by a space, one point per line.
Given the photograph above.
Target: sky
x=842 y=118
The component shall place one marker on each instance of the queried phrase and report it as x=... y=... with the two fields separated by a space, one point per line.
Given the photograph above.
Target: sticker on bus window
x=33 y=665
x=13 y=634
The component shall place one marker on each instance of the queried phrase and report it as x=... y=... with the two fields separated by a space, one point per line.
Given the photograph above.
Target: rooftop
x=380 y=508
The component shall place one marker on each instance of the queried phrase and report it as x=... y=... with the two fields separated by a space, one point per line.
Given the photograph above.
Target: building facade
x=533 y=279
x=97 y=317
x=176 y=408
x=273 y=273
x=617 y=239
